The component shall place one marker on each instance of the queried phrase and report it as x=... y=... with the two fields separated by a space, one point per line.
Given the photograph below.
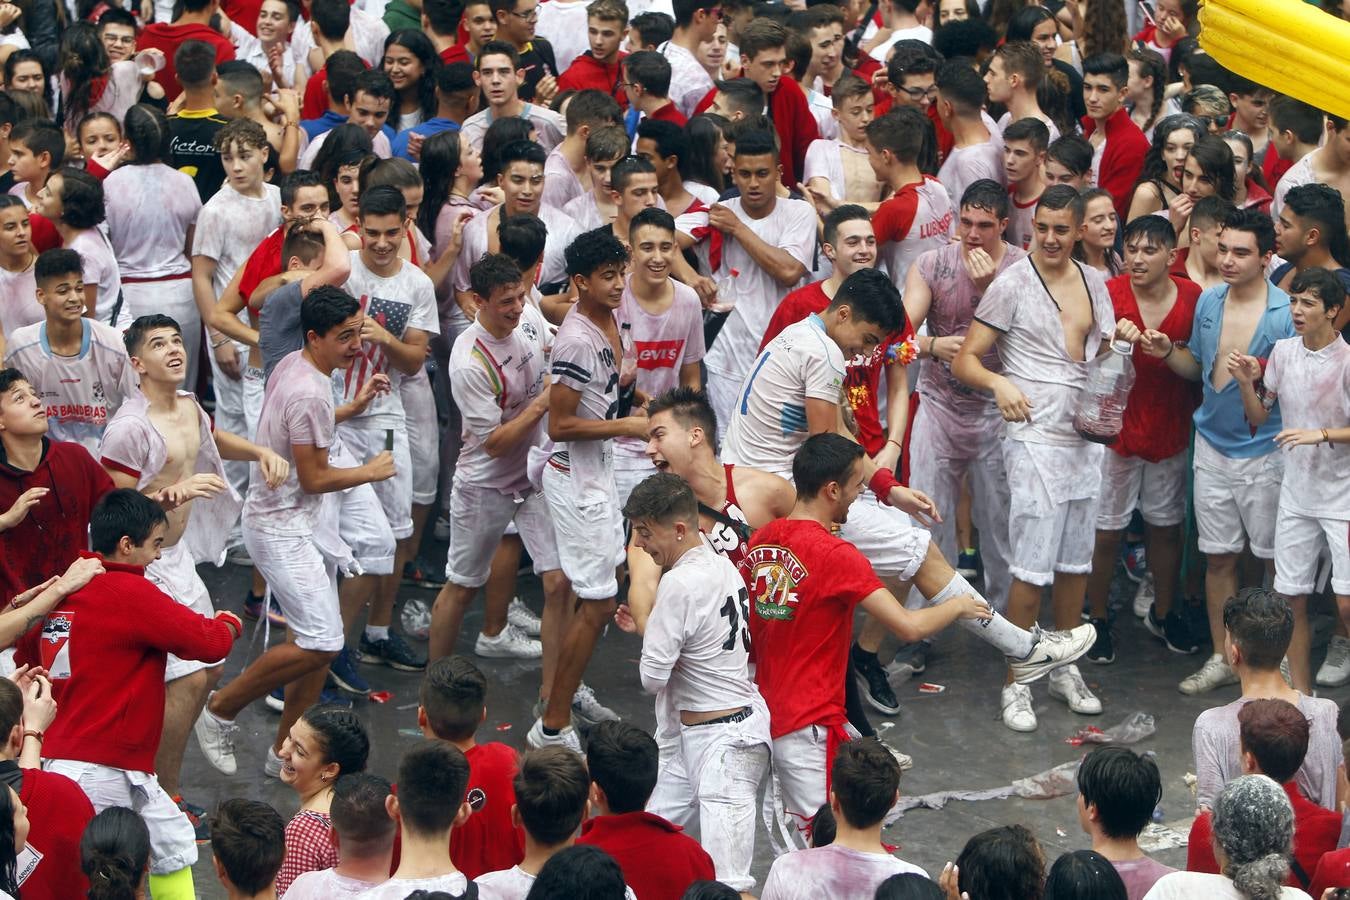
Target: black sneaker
x=876 y=690
x=1174 y=631
x=1103 y=651
x=393 y=652
x=201 y=831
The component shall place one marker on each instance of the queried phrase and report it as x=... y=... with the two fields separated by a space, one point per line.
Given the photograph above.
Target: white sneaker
x=272 y=765
x=510 y=643
x=1143 y=596
x=567 y=737
x=1336 y=670
x=588 y=711
x=216 y=738
x=1067 y=684
x=521 y=616
x=904 y=759
x=1053 y=649
x=1017 y=712
x=1213 y=674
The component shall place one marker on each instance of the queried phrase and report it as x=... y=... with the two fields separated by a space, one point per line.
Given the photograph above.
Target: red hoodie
x=659 y=861
x=586 y=72
x=169 y=38
x=1122 y=159
x=54 y=532
x=58 y=813
x=104 y=648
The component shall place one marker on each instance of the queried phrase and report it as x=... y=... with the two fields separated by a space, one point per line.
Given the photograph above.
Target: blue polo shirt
x=434 y=125
x=1220 y=419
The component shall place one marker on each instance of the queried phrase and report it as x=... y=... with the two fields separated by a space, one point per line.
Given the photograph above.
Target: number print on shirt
x=737 y=613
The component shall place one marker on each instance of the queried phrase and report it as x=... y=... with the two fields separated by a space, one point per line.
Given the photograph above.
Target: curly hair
x=1104 y=28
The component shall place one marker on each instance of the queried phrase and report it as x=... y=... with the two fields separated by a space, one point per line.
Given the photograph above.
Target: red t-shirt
x=263 y=263
x=314 y=101
x=804 y=586
x=669 y=113
x=659 y=861
x=1332 y=871
x=170 y=37
x=1158 y=414
x=58 y=813
x=862 y=378
x=488 y=842
x=1316 y=831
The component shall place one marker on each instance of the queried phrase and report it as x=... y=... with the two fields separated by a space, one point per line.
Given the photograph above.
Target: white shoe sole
x=1083 y=708
x=199 y=728
x=1328 y=681
x=493 y=651
x=1042 y=663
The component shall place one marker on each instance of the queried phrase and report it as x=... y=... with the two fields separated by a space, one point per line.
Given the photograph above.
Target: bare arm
x=225 y=312
x=565 y=425
x=691 y=376
x=318 y=477
x=508 y=435
x=969 y=369
x=912 y=625
x=335 y=266
x=778 y=262
x=407 y=355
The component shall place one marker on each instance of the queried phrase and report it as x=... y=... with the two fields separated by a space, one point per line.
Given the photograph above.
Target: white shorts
x=1045 y=537
x=253 y=400
x=172 y=298
x=722 y=389
x=419 y=407
x=890 y=540
x=1236 y=500
x=173 y=844
x=479 y=516
x=798 y=790
x=714 y=771
x=359 y=520
x=175 y=573
x=629 y=472
x=1300 y=542
x=304 y=584
x=1156 y=489
x=365 y=442
x=589 y=537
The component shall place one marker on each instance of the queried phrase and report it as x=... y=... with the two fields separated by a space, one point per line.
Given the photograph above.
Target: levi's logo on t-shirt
x=658 y=354
x=775 y=573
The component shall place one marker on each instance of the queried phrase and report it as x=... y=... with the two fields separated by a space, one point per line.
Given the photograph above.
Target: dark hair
x=358 y=813
x=345 y=145
x=342 y=737
x=11 y=707
x=292 y=182
x=1304 y=120
x=340 y=71
x=864 y=779
x=143 y=325
x=332 y=16
x=847 y=212
x=114 y=853
x=83 y=60
x=965 y=39
x=1255 y=223
x=824 y=828
x=909 y=886
x=1321 y=282
x=242 y=78
x=653 y=217
x=1215 y=158
x=498 y=48
x=1155 y=167
x=1324 y=207
x=1155 y=230
x=759 y=35
x=655 y=28
x=704 y=134
x=521 y=237
x=147 y=131
x=961 y=86
x=248 y=839
x=1084 y=875
x=432 y=778
x=1276 y=734
x=1023 y=22
x=589 y=251
x=873 y=297
x=551 y=787
x=454 y=690
x=1112 y=65
x=115 y=15
x=1254 y=173
x=1031 y=130
x=593 y=108
x=420 y=46
x=57 y=262
x=375 y=83
x=443 y=15
x=9 y=881
x=906 y=132
x=9 y=110
x=124 y=512
x=1211 y=210
x=663 y=498
x=1002 y=863
x=1062 y=196
x=325 y=308
x=241 y=131
x=710 y=890
x=911 y=57
x=1072 y=151
x=81 y=200
x=1124 y=786
x=581 y=872
x=622 y=760
x=395 y=172
x=743 y=93
x=383 y=200
x=650 y=70
x=690 y=407
x=1151 y=65
x=623 y=171
x=440 y=164
x=41 y=136
x=194 y=62
x=989 y=195
x=453 y=78
x=822 y=459
x=525 y=151
x=302 y=244
x=1261 y=624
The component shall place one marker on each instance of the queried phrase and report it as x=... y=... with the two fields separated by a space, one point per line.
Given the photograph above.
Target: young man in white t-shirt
x=17 y=257
x=239 y=215
x=696 y=22
x=768 y=243
x=917 y=216
x=696 y=659
x=77 y=365
x=1015 y=72
x=363 y=835
x=284 y=529
x=499 y=381
x=661 y=321
x=1024 y=144
x=1049 y=317
x=864 y=785
x=587 y=410
x=976 y=152
x=1310 y=376
x=497 y=71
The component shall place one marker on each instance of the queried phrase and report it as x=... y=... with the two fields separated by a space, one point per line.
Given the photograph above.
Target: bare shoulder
x=762 y=496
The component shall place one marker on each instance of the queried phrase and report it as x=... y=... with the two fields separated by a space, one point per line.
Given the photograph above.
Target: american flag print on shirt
x=392 y=315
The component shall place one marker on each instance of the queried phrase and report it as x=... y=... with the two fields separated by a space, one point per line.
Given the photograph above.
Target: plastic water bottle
x=726 y=292
x=1101 y=406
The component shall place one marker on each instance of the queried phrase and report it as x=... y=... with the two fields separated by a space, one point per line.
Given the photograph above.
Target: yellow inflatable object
x=1286 y=45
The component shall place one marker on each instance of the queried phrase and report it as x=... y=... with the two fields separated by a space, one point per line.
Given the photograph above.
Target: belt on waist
x=728 y=719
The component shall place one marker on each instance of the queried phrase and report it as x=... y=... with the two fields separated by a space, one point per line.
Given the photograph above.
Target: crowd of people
x=782 y=336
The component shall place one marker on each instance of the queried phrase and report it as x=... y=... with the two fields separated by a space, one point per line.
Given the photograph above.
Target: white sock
x=377 y=632
x=1011 y=640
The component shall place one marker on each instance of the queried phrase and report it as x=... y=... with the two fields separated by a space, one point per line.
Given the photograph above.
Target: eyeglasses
x=916 y=93
x=1210 y=123
x=530 y=16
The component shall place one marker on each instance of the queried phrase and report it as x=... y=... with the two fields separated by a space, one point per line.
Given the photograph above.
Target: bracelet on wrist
x=220 y=343
x=1326 y=438
x=1171 y=346
x=895 y=442
x=28 y=732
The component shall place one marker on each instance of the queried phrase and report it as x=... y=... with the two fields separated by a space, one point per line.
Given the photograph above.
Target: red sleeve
x=893 y=219
x=170 y=626
x=796 y=128
x=262 y=264
x=225 y=47
x=1200 y=851
x=851 y=576
x=706 y=102
x=789 y=312
x=316 y=98
x=1331 y=872
x=44 y=235
x=25 y=649
x=93 y=168
x=1274 y=167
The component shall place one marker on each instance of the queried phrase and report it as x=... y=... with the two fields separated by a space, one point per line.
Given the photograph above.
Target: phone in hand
x=1149 y=10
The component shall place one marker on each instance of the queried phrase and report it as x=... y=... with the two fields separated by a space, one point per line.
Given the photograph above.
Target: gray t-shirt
x=279 y=330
